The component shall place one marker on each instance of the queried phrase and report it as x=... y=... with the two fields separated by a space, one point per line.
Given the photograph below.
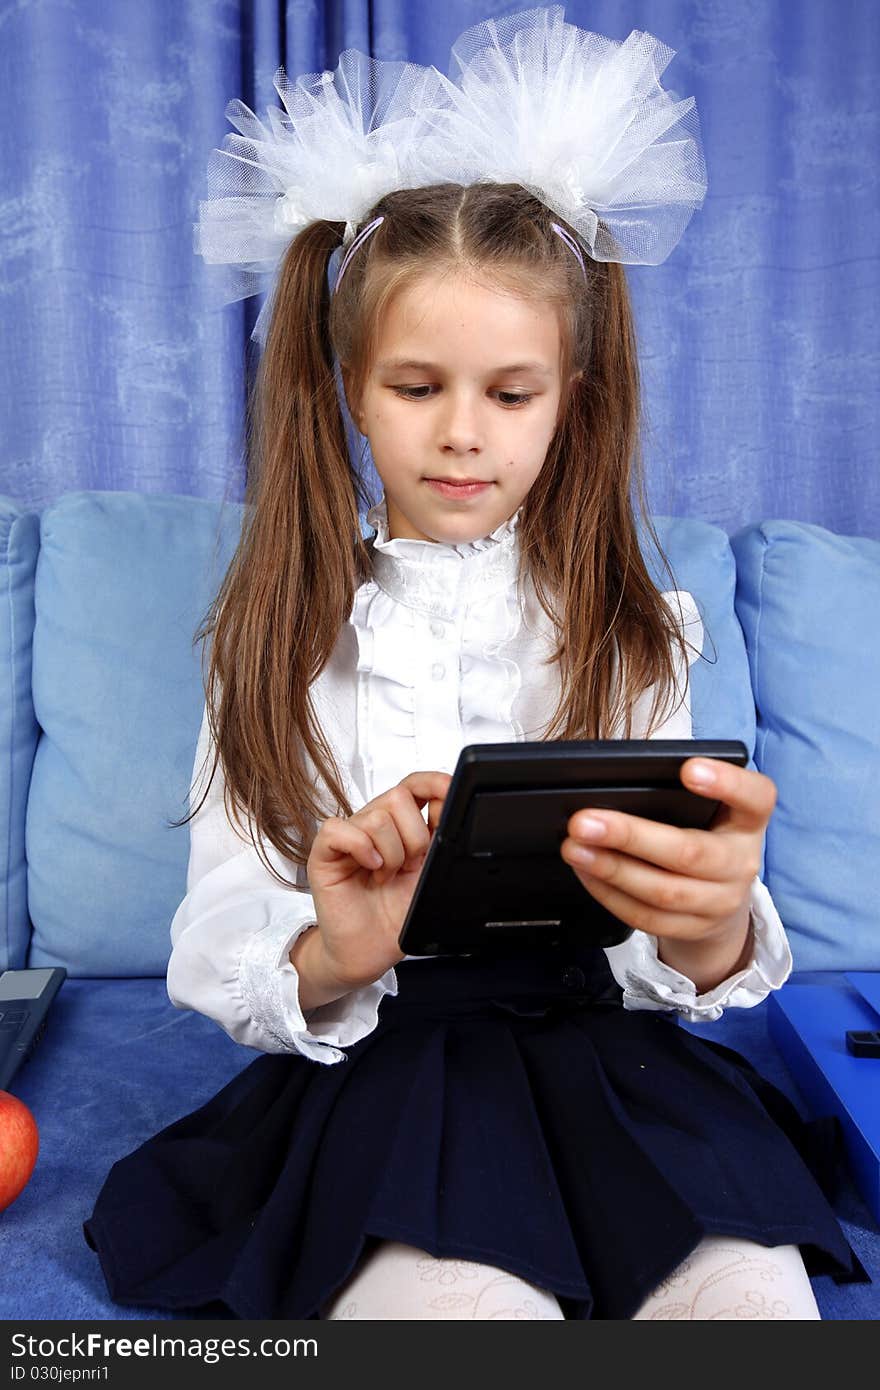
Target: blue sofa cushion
x=808 y=601
x=122 y=582
x=19 y=544
x=702 y=562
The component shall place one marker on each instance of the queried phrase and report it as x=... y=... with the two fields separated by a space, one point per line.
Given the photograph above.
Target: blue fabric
x=122 y=583
x=19 y=543
x=118 y=1063
x=808 y=602
x=118 y=370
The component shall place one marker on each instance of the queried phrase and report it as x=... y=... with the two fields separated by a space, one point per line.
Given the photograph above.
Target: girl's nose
x=460 y=428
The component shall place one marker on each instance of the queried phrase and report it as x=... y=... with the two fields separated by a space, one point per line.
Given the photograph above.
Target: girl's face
x=465 y=385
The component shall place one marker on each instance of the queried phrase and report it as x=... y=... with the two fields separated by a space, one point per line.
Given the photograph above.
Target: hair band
x=359 y=239
x=570 y=243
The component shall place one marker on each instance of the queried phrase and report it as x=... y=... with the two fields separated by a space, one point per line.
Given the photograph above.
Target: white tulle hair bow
x=578 y=119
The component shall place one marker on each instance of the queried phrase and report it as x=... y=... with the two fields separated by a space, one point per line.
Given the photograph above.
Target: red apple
x=19 y=1143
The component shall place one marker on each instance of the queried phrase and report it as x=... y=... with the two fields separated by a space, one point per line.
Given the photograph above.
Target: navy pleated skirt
x=510 y=1112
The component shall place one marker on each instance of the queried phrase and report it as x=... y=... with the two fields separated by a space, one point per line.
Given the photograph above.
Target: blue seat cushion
x=117 y=1063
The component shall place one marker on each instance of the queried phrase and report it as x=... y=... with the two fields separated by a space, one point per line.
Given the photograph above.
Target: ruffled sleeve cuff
x=648 y=983
x=269 y=987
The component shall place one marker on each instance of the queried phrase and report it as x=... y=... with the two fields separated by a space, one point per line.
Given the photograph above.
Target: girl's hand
x=684 y=886
x=362 y=874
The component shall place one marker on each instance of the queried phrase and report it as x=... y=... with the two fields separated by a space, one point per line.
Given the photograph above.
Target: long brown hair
x=301 y=556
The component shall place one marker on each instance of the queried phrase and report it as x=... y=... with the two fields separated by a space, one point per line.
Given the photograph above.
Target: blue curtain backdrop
x=759 y=335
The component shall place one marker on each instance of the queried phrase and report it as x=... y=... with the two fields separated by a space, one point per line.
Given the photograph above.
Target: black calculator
x=25 y=999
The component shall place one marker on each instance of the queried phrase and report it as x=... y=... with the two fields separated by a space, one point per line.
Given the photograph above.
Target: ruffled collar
x=443 y=579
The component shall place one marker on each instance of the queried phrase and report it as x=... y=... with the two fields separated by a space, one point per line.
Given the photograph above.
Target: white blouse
x=440 y=651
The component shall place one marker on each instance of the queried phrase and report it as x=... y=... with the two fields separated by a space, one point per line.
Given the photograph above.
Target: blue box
x=808 y=1020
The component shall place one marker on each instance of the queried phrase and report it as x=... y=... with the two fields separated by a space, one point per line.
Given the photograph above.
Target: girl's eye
x=409 y=392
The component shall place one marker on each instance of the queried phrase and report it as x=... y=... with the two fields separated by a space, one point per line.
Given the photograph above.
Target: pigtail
x=616 y=637
x=291 y=583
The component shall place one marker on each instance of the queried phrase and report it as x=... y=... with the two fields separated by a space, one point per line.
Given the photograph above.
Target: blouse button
x=438 y=670
x=437 y=629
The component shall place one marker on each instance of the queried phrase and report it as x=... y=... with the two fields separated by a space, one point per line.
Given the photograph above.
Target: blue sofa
x=101 y=700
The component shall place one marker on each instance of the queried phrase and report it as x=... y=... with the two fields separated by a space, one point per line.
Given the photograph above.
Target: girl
x=525 y=1137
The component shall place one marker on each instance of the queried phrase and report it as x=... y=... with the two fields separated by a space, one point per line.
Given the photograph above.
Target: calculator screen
x=24 y=984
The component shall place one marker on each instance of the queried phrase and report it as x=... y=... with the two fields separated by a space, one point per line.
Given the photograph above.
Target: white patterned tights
x=723 y=1279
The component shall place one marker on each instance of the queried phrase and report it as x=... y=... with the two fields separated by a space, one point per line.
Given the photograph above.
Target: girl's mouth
x=468 y=488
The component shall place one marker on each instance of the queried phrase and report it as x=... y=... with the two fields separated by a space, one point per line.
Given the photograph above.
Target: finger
x=656 y=889
x=379 y=826
x=691 y=853
x=428 y=789
x=337 y=838
x=748 y=796
x=402 y=836
x=398 y=830
x=641 y=916
x=426 y=786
